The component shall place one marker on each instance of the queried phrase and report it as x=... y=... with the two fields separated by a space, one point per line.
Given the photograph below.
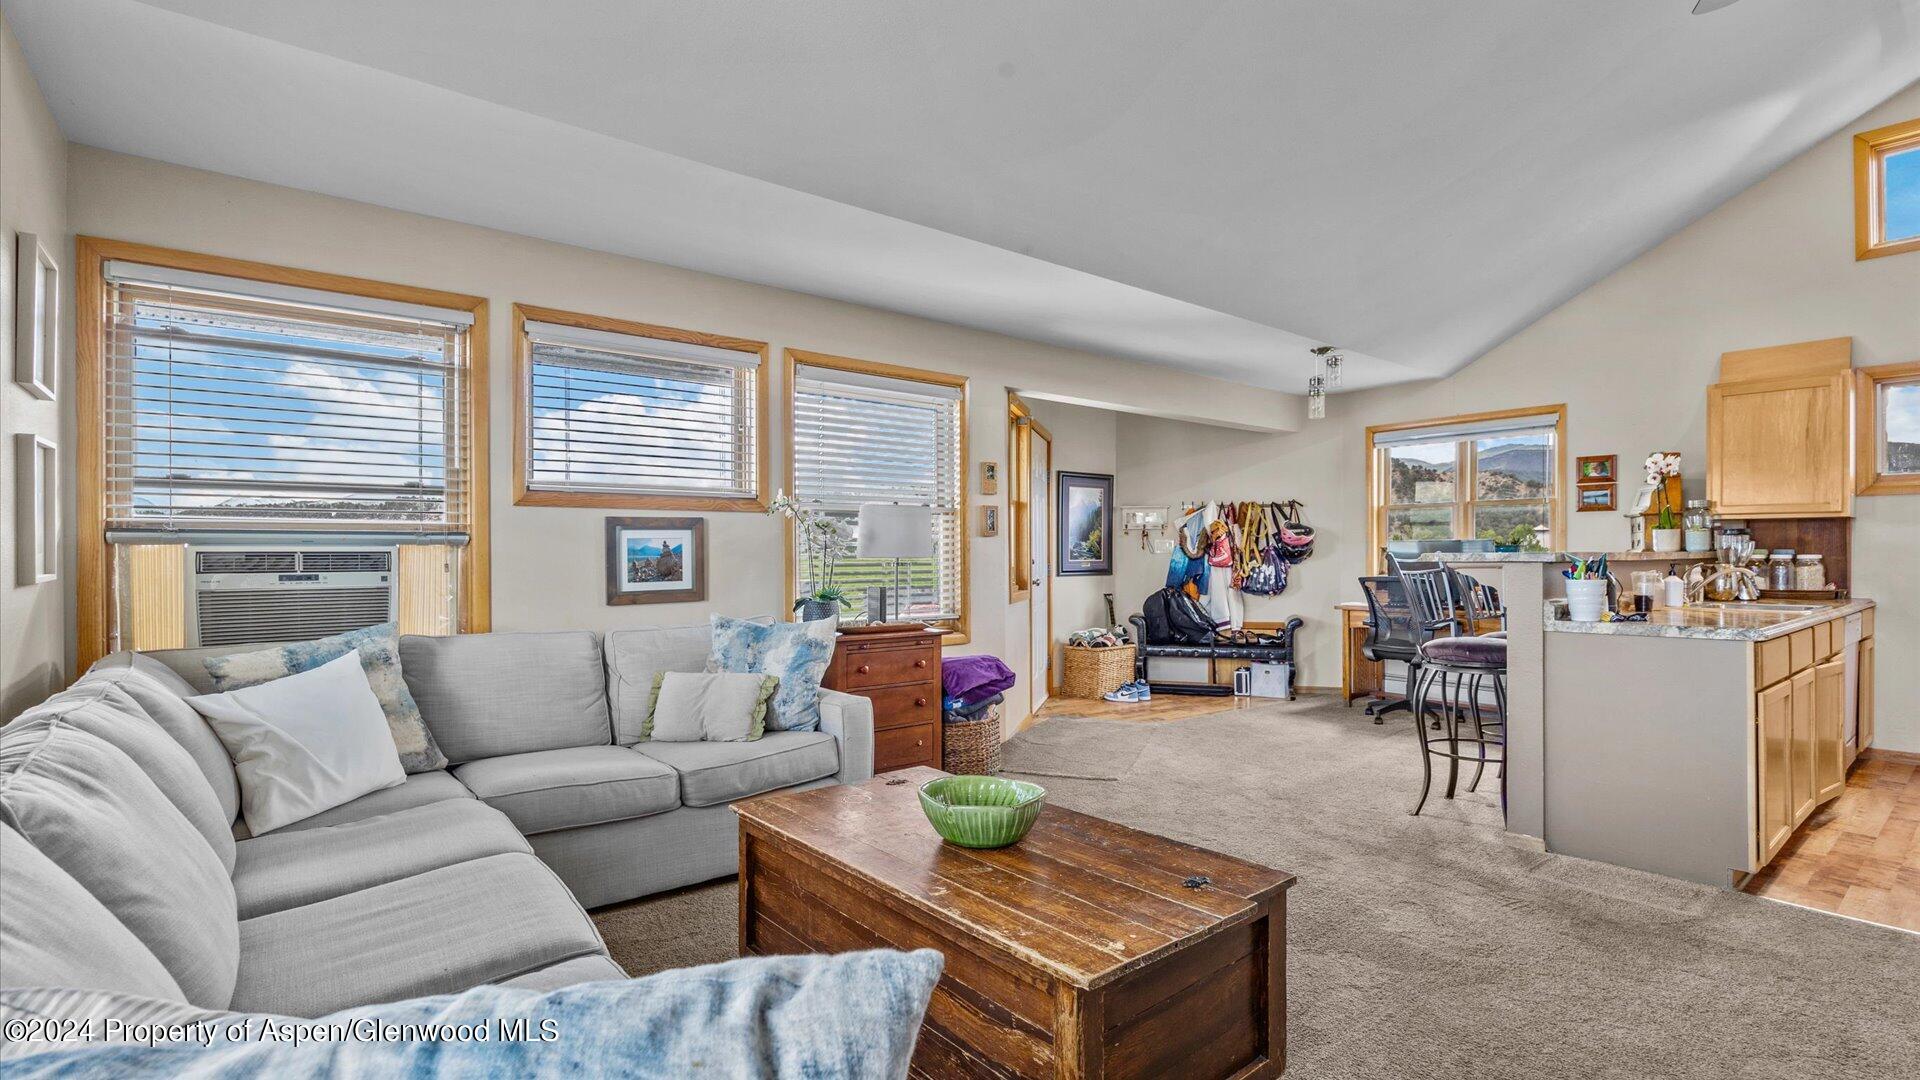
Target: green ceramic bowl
x=981 y=811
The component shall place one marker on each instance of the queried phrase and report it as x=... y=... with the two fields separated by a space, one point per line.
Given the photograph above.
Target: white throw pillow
x=696 y=707
x=305 y=743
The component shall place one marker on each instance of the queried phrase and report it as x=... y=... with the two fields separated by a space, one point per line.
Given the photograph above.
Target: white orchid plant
x=1660 y=467
x=825 y=540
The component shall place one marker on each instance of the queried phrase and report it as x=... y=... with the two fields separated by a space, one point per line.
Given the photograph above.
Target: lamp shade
x=892 y=531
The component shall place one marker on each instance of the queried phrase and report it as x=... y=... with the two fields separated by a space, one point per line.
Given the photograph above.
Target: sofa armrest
x=849 y=719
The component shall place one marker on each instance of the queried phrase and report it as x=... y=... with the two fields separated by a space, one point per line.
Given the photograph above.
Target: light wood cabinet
x=1773 y=760
x=1801 y=750
x=1781 y=447
x=1829 y=730
x=1865 y=738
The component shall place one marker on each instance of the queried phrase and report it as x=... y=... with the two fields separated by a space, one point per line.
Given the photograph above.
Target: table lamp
x=893 y=531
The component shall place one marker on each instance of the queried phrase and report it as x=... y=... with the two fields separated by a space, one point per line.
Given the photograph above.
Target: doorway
x=1030 y=505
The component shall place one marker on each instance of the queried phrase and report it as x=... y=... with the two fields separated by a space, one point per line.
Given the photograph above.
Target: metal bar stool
x=1465 y=733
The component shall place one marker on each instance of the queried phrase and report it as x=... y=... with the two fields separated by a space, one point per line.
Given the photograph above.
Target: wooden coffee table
x=1086 y=950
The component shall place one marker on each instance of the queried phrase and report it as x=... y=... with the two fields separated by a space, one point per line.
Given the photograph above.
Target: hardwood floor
x=1860 y=854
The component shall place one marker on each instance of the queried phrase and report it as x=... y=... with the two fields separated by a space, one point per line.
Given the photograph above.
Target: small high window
x=1886 y=177
x=1888 y=424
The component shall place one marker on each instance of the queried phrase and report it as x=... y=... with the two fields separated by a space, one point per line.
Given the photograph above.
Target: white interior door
x=1040 y=545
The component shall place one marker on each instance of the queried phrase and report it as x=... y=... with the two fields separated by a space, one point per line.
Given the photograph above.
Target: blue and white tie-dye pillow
x=795 y=653
x=379 y=648
x=848 y=1016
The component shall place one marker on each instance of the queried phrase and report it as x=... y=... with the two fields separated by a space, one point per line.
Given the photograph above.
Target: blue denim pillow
x=847 y=1015
x=379 y=648
x=795 y=653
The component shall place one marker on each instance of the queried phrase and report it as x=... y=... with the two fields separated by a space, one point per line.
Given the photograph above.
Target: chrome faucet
x=1746 y=582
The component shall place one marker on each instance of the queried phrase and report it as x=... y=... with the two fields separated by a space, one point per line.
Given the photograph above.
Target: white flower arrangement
x=1660 y=468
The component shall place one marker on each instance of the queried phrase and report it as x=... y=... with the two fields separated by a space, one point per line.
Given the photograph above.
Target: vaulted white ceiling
x=1214 y=185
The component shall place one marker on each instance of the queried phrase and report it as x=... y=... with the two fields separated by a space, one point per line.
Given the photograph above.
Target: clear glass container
x=1647 y=588
x=1780 y=570
x=1698 y=523
x=1809 y=572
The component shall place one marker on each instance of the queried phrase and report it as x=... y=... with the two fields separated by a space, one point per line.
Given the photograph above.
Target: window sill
x=610 y=500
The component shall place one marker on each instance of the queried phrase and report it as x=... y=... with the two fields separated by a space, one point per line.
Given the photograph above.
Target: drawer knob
x=864 y=669
x=920 y=663
x=919 y=702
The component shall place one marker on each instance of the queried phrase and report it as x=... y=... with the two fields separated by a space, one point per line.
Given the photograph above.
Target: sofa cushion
x=565 y=789
x=379 y=650
x=91 y=810
x=419 y=790
x=54 y=933
x=162 y=693
x=712 y=773
x=572 y=972
x=634 y=657
x=108 y=711
x=434 y=933
x=489 y=695
x=287 y=869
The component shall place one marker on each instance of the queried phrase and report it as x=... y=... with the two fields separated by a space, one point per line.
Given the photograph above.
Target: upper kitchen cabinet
x=1779 y=432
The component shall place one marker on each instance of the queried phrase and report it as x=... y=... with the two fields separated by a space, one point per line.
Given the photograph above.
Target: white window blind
x=619 y=413
x=860 y=438
x=229 y=407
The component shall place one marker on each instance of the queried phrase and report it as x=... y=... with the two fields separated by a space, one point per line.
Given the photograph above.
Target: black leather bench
x=1280 y=651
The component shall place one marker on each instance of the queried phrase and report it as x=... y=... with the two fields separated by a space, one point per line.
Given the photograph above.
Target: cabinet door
x=1866 y=693
x=1801 y=750
x=1775 y=717
x=1779 y=447
x=1829 y=730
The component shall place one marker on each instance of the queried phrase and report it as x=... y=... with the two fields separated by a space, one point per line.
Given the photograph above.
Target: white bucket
x=1586 y=599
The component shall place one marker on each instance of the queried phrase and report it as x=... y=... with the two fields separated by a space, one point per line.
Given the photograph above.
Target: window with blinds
x=618 y=413
x=233 y=404
x=864 y=438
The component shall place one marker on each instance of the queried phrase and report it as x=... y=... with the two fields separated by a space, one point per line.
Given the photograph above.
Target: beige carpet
x=1433 y=946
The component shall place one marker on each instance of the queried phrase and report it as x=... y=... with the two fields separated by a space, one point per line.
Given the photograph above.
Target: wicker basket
x=972 y=746
x=1090 y=673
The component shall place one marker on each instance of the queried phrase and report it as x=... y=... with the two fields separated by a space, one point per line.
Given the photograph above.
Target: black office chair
x=1390 y=636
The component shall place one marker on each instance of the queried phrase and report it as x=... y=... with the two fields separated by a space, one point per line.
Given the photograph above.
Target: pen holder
x=1586 y=599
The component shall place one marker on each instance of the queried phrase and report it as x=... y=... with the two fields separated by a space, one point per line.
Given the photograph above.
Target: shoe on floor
x=1142 y=691
x=1128 y=693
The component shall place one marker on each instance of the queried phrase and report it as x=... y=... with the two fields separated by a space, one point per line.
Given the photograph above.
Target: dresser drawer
x=898 y=748
x=904 y=706
x=888 y=667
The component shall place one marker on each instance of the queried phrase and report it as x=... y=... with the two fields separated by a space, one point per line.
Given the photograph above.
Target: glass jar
x=1780 y=569
x=1647 y=587
x=1698 y=523
x=1809 y=572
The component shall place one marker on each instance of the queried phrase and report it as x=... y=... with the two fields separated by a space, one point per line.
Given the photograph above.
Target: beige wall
x=34 y=648
x=1631 y=357
x=548 y=562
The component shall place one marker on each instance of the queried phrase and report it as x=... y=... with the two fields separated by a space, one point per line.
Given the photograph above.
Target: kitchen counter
x=1751 y=622
x=1480 y=558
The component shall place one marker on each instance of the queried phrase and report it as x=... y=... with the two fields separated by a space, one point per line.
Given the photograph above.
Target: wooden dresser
x=899 y=671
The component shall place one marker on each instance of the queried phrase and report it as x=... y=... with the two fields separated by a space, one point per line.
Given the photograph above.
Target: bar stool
x=1465 y=733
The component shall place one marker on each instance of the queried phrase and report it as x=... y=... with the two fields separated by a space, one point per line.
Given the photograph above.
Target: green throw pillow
x=709 y=707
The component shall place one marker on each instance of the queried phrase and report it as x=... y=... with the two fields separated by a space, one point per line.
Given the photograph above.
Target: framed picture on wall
x=1595 y=468
x=656 y=560
x=1083 y=523
x=1595 y=497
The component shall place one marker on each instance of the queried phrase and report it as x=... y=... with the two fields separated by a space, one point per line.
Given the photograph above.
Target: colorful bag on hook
x=1296 y=536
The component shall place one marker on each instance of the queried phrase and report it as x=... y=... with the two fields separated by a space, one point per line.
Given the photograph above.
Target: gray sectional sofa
x=123 y=866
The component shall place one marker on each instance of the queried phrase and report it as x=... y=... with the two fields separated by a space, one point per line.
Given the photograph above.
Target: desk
x=1359 y=676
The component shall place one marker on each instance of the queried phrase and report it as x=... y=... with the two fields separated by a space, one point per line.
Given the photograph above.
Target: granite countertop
x=1752 y=622
x=1481 y=557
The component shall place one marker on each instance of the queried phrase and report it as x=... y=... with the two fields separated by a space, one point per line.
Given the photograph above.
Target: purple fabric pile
x=973 y=679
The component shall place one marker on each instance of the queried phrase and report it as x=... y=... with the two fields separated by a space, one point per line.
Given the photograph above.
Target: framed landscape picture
x=656 y=560
x=1083 y=523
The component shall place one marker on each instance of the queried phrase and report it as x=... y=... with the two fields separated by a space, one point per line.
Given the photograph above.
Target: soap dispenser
x=1676 y=589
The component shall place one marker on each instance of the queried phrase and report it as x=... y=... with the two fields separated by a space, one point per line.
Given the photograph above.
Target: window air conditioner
x=256 y=595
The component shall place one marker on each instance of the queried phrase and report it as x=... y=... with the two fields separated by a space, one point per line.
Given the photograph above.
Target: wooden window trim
x=94 y=587
x=1377 y=505
x=793 y=358
x=1870 y=149
x=522 y=416
x=1019 y=498
x=1869 y=480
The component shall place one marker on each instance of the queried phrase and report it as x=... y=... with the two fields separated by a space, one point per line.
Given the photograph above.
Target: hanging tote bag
x=1296 y=536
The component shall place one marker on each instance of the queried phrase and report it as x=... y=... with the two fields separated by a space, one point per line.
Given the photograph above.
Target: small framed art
x=36 y=315
x=656 y=560
x=1596 y=468
x=1596 y=497
x=989 y=521
x=989 y=478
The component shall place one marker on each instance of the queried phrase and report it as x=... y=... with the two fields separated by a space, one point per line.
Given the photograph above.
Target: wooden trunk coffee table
x=1086 y=950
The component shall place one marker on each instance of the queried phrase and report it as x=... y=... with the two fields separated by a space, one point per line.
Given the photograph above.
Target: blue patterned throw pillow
x=851 y=1015
x=379 y=648
x=795 y=653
